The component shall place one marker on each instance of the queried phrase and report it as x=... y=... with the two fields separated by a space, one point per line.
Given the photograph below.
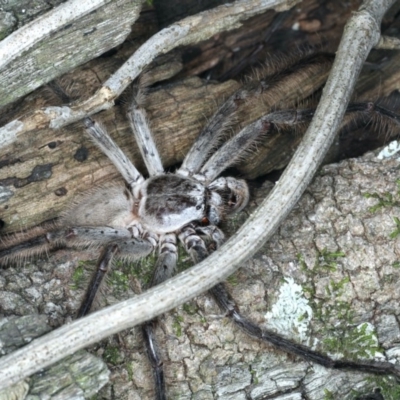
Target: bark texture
x=73 y=43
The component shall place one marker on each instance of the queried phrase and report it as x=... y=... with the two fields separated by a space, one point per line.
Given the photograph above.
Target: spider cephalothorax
x=169 y=202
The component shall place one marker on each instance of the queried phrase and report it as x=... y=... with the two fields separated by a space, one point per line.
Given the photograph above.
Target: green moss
x=396 y=232
x=119 y=280
x=79 y=274
x=233 y=280
x=353 y=343
x=142 y=269
x=189 y=308
x=326 y=262
x=254 y=377
x=387 y=387
x=176 y=325
x=385 y=199
x=184 y=261
x=112 y=355
x=336 y=321
x=390 y=388
x=336 y=318
x=328 y=395
x=129 y=369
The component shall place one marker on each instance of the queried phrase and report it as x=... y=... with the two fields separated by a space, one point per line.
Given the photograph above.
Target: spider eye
x=232 y=201
x=205 y=221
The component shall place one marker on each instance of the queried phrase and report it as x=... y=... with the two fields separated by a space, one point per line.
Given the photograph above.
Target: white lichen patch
x=388 y=151
x=291 y=314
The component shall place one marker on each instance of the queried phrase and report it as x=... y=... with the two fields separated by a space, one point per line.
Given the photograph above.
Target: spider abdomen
x=110 y=205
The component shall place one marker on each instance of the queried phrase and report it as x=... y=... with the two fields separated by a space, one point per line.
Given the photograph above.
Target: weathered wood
x=41 y=175
x=72 y=44
x=41 y=172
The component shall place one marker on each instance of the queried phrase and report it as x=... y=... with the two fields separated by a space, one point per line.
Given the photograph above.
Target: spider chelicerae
x=153 y=214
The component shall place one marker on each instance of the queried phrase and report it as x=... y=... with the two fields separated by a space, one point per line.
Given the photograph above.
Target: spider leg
x=232 y=151
x=166 y=262
x=211 y=134
x=132 y=248
x=144 y=137
x=268 y=87
x=164 y=269
x=228 y=305
x=197 y=249
x=102 y=267
x=155 y=359
x=40 y=240
x=103 y=140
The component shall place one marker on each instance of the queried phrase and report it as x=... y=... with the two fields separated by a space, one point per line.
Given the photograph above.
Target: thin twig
x=187 y=31
x=388 y=43
x=360 y=35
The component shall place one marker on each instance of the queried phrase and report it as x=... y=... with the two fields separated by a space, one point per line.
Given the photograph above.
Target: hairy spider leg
x=211 y=134
x=103 y=264
x=166 y=262
x=273 y=84
x=144 y=137
x=40 y=240
x=229 y=306
x=132 y=249
x=104 y=141
x=233 y=150
x=153 y=355
x=164 y=269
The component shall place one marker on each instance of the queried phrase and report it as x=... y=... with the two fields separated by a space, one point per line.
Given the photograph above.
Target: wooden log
x=62 y=43
x=41 y=172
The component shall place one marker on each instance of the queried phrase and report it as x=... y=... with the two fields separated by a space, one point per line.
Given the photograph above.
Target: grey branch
x=388 y=43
